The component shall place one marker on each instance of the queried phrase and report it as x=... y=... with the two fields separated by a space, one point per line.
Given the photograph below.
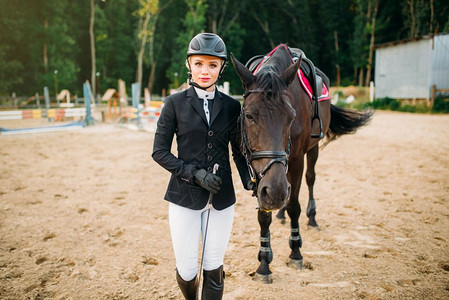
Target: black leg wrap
x=295 y=239
x=188 y=288
x=213 y=284
x=265 y=249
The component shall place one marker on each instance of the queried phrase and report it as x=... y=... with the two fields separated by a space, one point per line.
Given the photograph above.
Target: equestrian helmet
x=207 y=44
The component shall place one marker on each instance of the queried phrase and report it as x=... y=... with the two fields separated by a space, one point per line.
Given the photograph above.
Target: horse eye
x=249 y=117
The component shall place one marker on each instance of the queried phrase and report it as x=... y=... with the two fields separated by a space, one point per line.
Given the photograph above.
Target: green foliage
x=11 y=63
x=441 y=104
x=385 y=104
x=193 y=23
x=41 y=36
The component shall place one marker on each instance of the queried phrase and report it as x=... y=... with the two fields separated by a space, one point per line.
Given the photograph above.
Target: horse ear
x=245 y=75
x=289 y=74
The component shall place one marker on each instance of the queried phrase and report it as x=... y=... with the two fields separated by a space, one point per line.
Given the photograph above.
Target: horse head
x=266 y=119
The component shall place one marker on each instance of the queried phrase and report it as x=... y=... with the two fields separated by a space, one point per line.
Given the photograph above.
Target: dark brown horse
x=279 y=126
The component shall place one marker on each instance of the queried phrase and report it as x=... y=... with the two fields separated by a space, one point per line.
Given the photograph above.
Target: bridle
x=250 y=156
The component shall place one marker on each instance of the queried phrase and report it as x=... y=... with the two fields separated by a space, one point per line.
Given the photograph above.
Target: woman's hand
x=207 y=181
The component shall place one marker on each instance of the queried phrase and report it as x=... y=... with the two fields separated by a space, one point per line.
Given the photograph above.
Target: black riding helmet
x=207 y=44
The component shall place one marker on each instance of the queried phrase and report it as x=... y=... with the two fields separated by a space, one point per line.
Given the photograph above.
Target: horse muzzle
x=273 y=193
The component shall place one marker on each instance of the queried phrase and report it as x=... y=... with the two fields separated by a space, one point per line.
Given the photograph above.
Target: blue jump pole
x=136 y=97
x=86 y=90
x=47 y=102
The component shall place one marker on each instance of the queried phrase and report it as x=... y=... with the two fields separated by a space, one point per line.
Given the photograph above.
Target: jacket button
x=209 y=157
x=210 y=133
x=209 y=169
x=209 y=145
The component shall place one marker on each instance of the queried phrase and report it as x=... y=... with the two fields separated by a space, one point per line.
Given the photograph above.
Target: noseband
x=250 y=156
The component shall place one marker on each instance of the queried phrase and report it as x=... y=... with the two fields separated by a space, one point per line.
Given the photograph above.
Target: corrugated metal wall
x=440 y=62
x=403 y=70
x=408 y=70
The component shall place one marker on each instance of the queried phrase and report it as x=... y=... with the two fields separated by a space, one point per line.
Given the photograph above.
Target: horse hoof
x=312 y=223
x=295 y=264
x=267 y=279
x=281 y=215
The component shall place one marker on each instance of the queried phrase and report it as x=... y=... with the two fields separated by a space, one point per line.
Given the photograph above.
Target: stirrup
x=316 y=115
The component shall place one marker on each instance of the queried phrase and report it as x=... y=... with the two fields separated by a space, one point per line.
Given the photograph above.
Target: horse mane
x=268 y=78
x=270 y=82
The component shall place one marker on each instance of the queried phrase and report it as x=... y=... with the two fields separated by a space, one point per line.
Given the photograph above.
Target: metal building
x=412 y=69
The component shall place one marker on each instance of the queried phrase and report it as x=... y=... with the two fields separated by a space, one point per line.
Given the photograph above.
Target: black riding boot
x=213 y=284
x=188 y=288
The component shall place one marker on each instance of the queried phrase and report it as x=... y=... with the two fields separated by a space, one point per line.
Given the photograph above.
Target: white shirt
x=205 y=95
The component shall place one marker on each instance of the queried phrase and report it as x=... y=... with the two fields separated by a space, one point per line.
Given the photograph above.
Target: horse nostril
x=264 y=192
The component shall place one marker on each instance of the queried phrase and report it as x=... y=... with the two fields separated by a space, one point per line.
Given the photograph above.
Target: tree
x=12 y=22
x=92 y=47
x=115 y=41
x=332 y=39
x=414 y=15
x=148 y=13
x=193 y=24
x=364 y=37
x=373 y=17
x=59 y=66
x=339 y=36
x=148 y=10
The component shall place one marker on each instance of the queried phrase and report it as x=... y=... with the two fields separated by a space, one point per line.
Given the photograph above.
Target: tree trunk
x=371 y=45
x=337 y=55
x=45 y=50
x=411 y=6
x=92 y=46
x=144 y=34
x=431 y=16
x=152 y=75
x=152 y=29
x=361 y=77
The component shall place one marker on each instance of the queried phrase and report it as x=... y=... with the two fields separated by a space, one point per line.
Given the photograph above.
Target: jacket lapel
x=218 y=104
x=196 y=103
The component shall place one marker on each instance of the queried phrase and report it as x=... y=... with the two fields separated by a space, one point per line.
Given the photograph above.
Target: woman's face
x=205 y=70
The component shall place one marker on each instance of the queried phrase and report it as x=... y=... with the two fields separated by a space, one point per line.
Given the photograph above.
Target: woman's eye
x=212 y=66
x=198 y=64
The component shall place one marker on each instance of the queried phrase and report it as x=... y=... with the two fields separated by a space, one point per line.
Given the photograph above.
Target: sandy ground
x=82 y=217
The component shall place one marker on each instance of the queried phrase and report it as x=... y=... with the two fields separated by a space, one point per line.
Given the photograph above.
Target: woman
x=204 y=121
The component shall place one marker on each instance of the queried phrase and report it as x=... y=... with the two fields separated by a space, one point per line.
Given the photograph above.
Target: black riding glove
x=207 y=181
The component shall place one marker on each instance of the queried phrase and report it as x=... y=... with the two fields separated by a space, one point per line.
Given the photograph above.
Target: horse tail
x=346 y=121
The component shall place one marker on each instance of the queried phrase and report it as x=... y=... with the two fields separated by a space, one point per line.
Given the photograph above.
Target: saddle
x=312 y=79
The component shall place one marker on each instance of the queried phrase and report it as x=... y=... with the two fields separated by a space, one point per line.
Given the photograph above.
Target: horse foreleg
x=294 y=210
x=295 y=241
x=312 y=157
x=265 y=255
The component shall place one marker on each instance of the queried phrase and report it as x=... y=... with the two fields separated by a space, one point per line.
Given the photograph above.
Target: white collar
x=202 y=94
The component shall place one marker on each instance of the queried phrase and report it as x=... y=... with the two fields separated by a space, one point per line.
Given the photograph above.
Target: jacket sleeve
x=163 y=139
x=239 y=159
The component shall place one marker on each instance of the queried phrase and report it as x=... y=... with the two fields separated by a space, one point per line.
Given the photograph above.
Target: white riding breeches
x=186 y=225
